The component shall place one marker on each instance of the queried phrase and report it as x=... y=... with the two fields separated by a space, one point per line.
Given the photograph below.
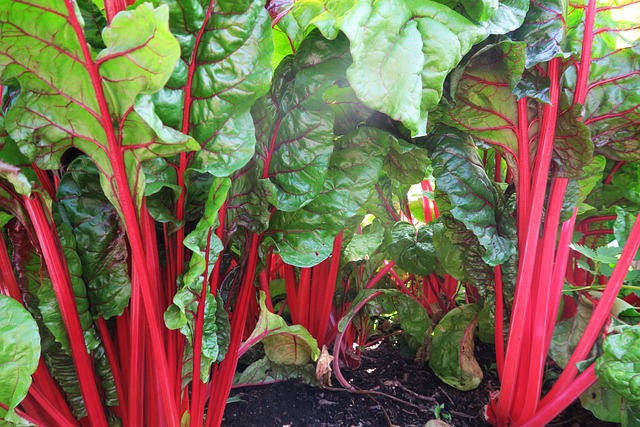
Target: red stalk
x=128 y=209
x=524 y=171
x=585 y=60
x=223 y=375
x=136 y=358
x=546 y=296
x=563 y=399
x=499 y=327
x=529 y=248
x=197 y=386
x=383 y=272
x=600 y=315
x=57 y=267
x=27 y=416
x=332 y=280
x=304 y=294
x=115 y=367
x=8 y=282
x=426 y=209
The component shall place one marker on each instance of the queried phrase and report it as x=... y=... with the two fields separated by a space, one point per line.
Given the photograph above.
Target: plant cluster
x=190 y=186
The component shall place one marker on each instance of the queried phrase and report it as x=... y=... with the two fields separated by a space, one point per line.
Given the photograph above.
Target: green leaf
x=414 y=44
x=616 y=368
x=362 y=246
x=567 y=333
x=406 y=163
x=543 y=31
x=607 y=405
x=485 y=106
x=304 y=237
x=475 y=200
x=59 y=102
x=19 y=355
x=294 y=124
x=224 y=67
x=412 y=316
x=100 y=238
x=508 y=17
x=452 y=358
x=283 y=344
x=265 y=371
x=612 y=105
x=413 y=249
x=16 y=178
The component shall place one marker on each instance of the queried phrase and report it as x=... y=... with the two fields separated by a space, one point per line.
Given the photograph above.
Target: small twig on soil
x=379 y=393
x=416 y=395
x=384 y=411
x=462 y=414
x=446 y=395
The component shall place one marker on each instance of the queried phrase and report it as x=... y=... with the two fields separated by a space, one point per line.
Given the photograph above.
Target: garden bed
x=383 y=370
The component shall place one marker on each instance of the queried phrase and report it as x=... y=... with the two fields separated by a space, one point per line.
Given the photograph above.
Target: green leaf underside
x=283 y=344
x=412 y=249
x=452 y=357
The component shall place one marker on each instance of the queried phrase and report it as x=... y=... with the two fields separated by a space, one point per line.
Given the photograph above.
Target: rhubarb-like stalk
x=328 y=291
x=127 y=207
x=529 y=248
x=109 y=349
x=223 y=375
x=499 y=326
x=599 y=317
x=59 y=273
x=543 y=300
x=8 y=283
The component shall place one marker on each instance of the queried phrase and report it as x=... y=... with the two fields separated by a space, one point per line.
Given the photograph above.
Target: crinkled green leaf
x=265 y=371
x=304 y=237
x=224 y=66
x=406 y=163
x=413 y=249
x=348 y=110
x=59 y=103
x=543 y=31
x=19 y=354
x=475 y=200
x=283 y=344
x=617 y=367
x=16 y=178
x=452 y=357
x=248 y=201
x=612 y=105
x=294 y=124
x=607 y=405
x=100 y=238
x=573 y=148
x=413 y=44
x=94 y=23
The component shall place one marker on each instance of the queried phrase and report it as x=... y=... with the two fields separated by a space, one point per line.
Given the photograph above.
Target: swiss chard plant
x=185 y=183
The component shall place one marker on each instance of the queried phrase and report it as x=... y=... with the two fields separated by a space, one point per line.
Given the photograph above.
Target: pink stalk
x=600 y=315
x=27 y=416
x=563 y=399
x=545 y=297
x=59 y=272
x=123 y=193
x=383 y=272
x=223 y=375
x=197 y=386
x=524 y=168
x=426 y=209
x=499 y=327
x=529 y=248
x=52 y=411
x=304 y=293
x=115 y=367
x=136 y=359
x=585 y=60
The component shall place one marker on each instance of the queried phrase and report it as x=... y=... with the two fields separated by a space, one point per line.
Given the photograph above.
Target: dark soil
x=417 y=390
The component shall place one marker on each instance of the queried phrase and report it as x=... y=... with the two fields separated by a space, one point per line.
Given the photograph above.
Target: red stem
x=8 y=282
x=329 y=290
x=115 y=367
x=600 y=315
x=383 y=272
x=499 y=327
x=585 y=60
x=123 y=193
x=545 y=297
x=223 y=375
x=529 y=248
x=197 y=386
x=59 y=273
